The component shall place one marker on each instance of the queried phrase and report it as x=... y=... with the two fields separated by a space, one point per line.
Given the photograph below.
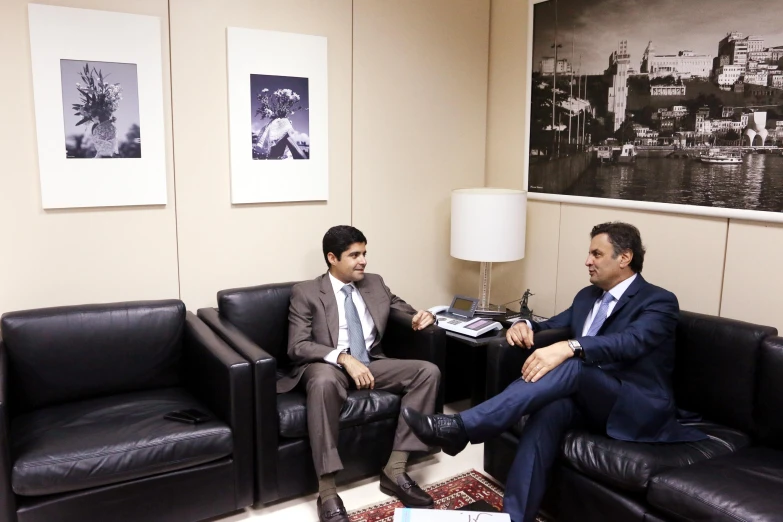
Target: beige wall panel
x=684 y=253
x=506 y=108
x=221 y=245
x=538 y=270
x=752 y=285
x=419 y=113
x=60 y=257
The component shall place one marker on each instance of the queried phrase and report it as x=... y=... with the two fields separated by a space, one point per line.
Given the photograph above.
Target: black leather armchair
x=727 y=382
x=254 y=321
x=83 y=392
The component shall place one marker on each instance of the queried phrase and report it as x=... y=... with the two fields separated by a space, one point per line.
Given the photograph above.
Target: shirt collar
x=338 y=285
x=619 y=289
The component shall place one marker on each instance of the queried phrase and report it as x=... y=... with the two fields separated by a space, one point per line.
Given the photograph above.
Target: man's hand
x=359 y=372
x=544 y=360
x=520 y=334
x=422 y=320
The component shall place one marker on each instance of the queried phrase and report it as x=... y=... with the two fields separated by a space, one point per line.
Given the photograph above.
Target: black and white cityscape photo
x=280 y=117
x=100 y=109
x=665 y=101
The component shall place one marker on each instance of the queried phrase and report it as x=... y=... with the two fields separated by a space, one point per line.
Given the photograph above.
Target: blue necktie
x=355 y=333
x=600 y=315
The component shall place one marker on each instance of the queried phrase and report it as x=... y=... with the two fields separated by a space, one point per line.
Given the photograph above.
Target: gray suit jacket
x=313 y=324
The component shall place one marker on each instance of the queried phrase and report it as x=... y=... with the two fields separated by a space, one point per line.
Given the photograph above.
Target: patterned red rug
x=452 y=493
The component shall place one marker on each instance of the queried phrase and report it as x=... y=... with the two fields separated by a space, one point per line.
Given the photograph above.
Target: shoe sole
x=393 y=494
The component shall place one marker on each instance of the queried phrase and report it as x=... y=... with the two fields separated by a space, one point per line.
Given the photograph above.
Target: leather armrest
x=221 y=379
x=266 y=420
x=401 y=341
x=504 y=362
x=7 y=504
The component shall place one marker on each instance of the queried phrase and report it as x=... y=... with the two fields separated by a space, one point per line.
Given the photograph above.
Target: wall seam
x=353 y=88
x=559 y=232
x=173 y=156
x=723 y=272
x=486 y=108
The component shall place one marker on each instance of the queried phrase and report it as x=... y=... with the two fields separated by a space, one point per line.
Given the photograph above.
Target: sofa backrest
x=769 y=402
x=716 y=365
x=261 y=313
x=64 y=354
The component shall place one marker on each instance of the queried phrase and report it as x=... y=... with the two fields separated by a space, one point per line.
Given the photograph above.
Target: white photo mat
x=731 y=213
x=61 y=33
x=274 y=53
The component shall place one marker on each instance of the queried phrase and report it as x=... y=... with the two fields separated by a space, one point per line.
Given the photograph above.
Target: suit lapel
x=627 y=296
x=330 y=307
x=370 y=301
x=582 y=308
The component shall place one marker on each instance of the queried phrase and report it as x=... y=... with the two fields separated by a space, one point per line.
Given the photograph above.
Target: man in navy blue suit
x=613 y=376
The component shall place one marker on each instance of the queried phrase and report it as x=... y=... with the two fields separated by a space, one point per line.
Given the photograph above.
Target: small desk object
x=459 y=317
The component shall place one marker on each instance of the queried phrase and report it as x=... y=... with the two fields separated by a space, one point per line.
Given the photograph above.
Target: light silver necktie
x=601 y=314
x=355 y=333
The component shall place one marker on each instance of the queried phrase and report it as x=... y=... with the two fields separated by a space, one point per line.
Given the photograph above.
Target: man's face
x=606 y=269
x=350 y=267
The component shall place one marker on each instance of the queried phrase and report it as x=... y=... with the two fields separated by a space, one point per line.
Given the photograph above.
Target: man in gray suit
x=336 y=324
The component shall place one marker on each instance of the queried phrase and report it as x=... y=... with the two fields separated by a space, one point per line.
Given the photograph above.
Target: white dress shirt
x=617 y=292
x=368 y=325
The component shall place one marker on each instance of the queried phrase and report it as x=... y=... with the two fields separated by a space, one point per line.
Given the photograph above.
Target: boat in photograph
x=627 y=154
x=717 y=157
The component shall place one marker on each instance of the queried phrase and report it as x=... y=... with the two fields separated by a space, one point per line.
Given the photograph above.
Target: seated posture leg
x=539 y=445
x=418 y=382
x=327 y=388
x=574 y=389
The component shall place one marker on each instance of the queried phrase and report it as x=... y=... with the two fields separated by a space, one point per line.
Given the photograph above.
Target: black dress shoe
x=446 y=431
x=332 y=510
x=407 y=490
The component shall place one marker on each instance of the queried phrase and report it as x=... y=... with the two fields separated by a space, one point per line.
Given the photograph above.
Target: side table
x=466 y=366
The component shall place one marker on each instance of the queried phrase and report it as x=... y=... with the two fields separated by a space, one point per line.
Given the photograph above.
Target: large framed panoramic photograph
x=96 y=98
x=277 y=116
x=664 y=105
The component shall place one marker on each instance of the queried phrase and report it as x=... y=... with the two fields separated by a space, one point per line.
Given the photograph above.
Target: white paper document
x=442 y=515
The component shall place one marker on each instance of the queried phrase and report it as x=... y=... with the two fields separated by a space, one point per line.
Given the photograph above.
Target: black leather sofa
x=254 y=321
x=729 y=381
x=83 y=393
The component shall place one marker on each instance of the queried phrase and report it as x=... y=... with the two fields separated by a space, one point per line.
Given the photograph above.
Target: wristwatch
x=577 y=348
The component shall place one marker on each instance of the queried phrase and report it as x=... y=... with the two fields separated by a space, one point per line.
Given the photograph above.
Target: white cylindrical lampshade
x=488 y=224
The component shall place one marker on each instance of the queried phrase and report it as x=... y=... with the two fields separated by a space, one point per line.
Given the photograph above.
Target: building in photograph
x=547 y=65
x=667 y=90
x=619 y=62
x=734 y=47
x=728 y=75
x=685 y=64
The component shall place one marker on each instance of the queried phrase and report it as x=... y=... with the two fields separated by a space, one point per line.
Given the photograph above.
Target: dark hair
x=338 y=239
x=623 y=236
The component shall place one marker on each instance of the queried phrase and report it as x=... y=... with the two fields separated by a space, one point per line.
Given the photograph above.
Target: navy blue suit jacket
x=636 y=345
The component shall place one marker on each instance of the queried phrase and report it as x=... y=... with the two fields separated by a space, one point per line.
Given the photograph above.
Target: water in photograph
x=755 y=184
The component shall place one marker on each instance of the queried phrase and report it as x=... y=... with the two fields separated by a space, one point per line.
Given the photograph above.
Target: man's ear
x=331 y=258
x=625 y=258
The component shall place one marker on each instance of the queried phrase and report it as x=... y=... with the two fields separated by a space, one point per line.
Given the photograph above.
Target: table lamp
x=488 y=226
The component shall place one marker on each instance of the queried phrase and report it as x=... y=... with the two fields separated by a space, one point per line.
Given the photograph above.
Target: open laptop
x=459 y=317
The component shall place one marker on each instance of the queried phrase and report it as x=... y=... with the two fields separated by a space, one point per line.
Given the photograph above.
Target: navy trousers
x=571 y=395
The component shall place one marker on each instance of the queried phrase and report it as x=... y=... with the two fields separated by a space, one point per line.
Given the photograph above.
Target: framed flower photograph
x=280 y=117
x=283 y=96
x=92 y=103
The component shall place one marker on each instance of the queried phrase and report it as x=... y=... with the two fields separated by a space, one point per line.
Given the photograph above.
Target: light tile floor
x=366 y=492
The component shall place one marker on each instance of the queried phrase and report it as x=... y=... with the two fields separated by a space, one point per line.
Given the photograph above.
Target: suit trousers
x=327 y=388
x=571 y=395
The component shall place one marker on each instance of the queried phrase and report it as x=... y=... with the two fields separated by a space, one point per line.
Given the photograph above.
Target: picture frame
x=747 y=191
x=278 y=116
x=119 y=74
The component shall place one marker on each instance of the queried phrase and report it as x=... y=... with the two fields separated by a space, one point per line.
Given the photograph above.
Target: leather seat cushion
x=361 y=407
x=744 y=486
x=630 y=465
x=108 y=440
